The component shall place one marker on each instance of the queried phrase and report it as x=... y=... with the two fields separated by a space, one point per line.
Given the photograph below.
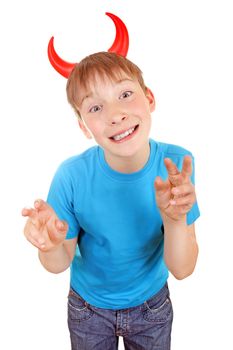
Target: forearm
x=55 y=261
x=180 y=248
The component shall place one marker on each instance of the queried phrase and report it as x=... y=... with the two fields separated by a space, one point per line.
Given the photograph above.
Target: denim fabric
x=143 y=327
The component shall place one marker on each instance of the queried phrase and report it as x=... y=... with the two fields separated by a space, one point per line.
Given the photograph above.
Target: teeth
x=121 y=136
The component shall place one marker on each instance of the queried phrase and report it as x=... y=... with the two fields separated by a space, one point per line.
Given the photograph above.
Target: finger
x=56 y=234
x=171 y=167
x=35 y=243
x=162 y=192
x=174 y=174
x=181 y=212
x=188 y=200
x=34 y=236
x=184 y=209
x=183 y=190
x=45 y=211
x=160 y=185
x=25 y=211
x=28 y=212
x=31 y=214
x=40 y=205
x=187 y=166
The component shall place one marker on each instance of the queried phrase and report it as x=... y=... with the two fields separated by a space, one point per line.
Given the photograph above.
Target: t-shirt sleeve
x=60 y=198
x=194 y=212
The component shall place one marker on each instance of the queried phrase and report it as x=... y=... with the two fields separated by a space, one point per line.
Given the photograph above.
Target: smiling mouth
x=126 y=135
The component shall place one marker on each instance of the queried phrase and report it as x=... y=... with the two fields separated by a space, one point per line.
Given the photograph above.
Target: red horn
x=61 y=66
x=121 y=42
x=119 y=46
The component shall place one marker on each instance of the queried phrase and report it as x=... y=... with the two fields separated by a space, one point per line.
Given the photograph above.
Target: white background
x=184 y=49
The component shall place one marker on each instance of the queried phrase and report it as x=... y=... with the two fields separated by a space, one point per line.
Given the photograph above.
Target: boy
x=121 y=213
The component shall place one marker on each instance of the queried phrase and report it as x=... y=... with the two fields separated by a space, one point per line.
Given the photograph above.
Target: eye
x=126 y=94
x=95 y=109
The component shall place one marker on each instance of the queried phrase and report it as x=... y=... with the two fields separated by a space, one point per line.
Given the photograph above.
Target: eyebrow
x=90 y=94
x=122 y=80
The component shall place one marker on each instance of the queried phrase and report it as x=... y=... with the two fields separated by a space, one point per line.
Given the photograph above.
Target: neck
x=130 y=164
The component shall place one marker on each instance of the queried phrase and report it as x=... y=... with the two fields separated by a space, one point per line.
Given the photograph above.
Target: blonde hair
x=101 y=64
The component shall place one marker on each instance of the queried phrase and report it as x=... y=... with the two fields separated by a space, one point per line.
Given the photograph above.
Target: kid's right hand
x=43 y=228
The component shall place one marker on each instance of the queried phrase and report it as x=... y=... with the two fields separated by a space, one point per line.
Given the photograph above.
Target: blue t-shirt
x=119 y=257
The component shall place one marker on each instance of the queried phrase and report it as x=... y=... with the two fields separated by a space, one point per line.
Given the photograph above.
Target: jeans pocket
x=78 y=308
x=158 y=310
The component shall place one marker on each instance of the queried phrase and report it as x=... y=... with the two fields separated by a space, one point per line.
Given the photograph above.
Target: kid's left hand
x=175 y=196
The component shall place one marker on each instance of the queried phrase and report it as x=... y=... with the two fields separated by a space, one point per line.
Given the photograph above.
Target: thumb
x=57 y=232
x=62 y=226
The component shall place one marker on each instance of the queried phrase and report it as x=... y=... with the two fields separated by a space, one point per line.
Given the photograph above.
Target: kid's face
x=117 y=115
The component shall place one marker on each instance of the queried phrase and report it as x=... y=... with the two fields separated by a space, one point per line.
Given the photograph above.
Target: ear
x=151 y=99
x=84 y=129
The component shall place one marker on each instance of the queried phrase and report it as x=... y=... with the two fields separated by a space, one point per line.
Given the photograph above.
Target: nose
x=115 y=115
x=119 y=119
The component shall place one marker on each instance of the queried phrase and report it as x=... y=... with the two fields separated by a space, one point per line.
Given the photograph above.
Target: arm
x=175 y=197
x=58 y=259
x=180 y=247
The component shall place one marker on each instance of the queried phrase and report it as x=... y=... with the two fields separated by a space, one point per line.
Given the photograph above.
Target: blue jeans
x=143 y=327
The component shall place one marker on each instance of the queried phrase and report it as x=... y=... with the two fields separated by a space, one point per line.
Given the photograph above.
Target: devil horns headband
x=119 y=46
